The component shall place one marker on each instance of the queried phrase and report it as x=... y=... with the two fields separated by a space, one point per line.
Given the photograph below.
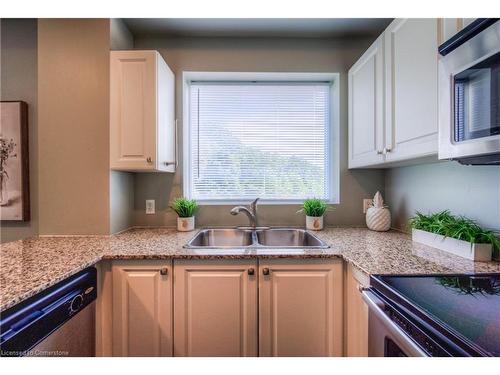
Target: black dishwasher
x=59 y=321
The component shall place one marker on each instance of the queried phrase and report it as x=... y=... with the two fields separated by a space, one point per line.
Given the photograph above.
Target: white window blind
x=267 y=140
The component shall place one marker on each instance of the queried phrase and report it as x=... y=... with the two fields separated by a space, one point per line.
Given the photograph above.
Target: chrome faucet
x=251 y=213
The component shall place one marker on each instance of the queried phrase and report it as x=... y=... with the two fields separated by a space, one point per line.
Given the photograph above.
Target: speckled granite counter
x=29 y=266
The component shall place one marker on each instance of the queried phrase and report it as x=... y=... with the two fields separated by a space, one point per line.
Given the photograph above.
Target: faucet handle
x=254 y=203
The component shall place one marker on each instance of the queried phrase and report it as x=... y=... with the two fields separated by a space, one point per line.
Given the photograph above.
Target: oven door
x=385 y=337
x=469 y=93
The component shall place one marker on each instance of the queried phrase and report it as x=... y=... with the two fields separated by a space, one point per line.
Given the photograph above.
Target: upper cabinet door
x=300 y=308
x=215 y=308
x=366 y=101
x=142 y=114
x=411 y=122
x=142 y=308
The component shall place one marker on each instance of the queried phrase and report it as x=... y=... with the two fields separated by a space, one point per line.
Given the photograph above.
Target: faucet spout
x=251 y=213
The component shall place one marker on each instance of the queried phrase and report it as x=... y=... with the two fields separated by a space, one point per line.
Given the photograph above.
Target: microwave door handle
x=465 y=34
x=408 y=346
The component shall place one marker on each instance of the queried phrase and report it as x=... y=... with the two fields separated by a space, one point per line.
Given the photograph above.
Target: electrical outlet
x=366 y=204
x=150 y=206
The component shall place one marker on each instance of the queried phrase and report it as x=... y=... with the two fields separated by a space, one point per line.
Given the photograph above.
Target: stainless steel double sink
x=259 y=238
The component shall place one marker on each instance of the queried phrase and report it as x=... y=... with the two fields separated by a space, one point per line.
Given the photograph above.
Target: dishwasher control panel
x=26 y=324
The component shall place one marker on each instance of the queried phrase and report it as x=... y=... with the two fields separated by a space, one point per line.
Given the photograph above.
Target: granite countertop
x=29 y=266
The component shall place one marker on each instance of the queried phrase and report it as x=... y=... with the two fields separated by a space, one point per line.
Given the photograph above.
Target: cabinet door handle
x=149 y=160
x=265 y=271
x=388 y=149
x=379 y=152
x=164 y=271
x=251 y=271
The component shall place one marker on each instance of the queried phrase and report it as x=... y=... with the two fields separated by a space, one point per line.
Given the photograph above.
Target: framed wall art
x=14 y=162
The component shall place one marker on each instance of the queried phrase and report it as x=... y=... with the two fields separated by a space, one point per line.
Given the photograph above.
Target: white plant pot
x=314 y=222
x=185 y=224
x=479 y=252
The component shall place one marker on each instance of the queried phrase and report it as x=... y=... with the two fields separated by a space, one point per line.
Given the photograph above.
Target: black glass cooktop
x=466 y=305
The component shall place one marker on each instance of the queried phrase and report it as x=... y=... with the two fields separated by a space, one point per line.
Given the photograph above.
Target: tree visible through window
x=267 y=140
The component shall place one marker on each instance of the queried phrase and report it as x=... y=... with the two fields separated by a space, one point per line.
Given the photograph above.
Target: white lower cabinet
x=300 y=308
x=228 y=307
x=215 y=308
x=142 y=308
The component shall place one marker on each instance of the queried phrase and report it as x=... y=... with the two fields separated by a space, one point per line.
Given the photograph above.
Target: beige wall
x=18 y=69
x=265 y=55
x=73 y=126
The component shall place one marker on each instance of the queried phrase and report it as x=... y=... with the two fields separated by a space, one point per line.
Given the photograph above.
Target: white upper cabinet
x=411 y=98
x=366 y=107
x=142 y=112
x=393 y=96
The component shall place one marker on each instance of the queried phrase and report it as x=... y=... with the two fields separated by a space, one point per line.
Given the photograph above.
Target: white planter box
x=480 y=252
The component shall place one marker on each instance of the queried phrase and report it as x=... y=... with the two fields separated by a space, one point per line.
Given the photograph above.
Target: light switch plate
x=366 y=204
x=150 y=206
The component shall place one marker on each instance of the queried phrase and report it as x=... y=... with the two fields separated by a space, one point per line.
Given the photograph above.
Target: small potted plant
x=314 y=209
x=185 y=208
x=454 y=234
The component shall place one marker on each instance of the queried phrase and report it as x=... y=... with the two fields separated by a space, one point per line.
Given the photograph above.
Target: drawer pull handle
x=251 y=271
x=265 y=271
x=164 y=271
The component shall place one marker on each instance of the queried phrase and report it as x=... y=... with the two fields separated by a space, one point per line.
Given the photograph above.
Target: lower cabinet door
x=142 y=308
x=300 y=307
x=215 y=308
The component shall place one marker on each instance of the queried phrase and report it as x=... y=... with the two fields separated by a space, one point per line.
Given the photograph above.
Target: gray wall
x=121 y=200
x=18 y=69
x=265 y=55
x=121 y=184
x=473 y=191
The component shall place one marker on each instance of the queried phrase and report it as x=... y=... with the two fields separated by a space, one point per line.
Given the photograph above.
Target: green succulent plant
x=184 y=207
x=314 y=207
x=459 y=227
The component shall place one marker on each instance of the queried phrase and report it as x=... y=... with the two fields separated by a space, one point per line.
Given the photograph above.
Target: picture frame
x=14 y=162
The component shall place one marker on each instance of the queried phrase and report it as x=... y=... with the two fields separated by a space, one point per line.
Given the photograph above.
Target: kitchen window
x=273 y=136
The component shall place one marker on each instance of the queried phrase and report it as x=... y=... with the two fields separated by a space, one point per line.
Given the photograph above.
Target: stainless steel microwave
x=469 y=94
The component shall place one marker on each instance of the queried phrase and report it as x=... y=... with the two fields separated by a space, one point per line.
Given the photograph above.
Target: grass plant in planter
x=185 y=209
x=314 y=209
x=454 y=234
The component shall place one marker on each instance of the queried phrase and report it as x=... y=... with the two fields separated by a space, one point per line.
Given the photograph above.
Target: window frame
x=333 y=130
